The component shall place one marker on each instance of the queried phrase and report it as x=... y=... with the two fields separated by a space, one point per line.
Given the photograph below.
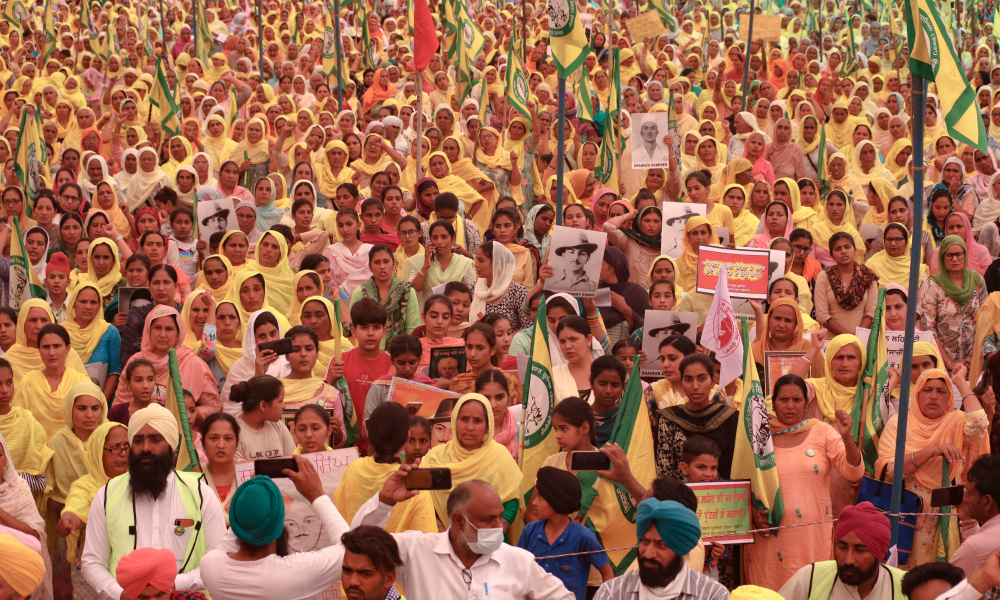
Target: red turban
x=870 y=524
x=147 y=567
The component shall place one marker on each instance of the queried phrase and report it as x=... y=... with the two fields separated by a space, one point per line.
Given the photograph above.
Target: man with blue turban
x=666 y=531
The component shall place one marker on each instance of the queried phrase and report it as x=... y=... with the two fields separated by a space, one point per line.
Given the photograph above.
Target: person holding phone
x=263 y=327
x=262 y=433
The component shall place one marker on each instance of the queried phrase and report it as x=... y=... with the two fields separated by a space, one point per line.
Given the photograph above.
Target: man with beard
x=469 y=559
x=152 y=505
x=667 y=531
x=861 y=542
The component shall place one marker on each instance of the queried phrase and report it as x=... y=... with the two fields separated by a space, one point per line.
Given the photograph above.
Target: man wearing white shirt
x=469 y=560
x=151 y=506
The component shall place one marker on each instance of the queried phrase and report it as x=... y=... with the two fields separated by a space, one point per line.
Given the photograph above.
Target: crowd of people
x=292 y=242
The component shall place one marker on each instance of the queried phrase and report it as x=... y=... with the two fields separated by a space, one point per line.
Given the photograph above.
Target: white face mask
x=488 y=540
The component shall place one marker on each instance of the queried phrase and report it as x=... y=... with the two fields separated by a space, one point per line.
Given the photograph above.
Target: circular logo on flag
x=329 y=43
x=520 y=87
x=537 y=419
x=467 y=33
x=20 y=13
x=562 y=15
x=33 y=172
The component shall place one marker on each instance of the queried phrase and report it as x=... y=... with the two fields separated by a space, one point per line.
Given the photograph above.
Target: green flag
x=24 y=281
x=516 y=89
x=538 y=435
x=872 y=397
x=29 y=156
x=933 y=57
x=162 y=107
x=204 y=45
x=567 y=37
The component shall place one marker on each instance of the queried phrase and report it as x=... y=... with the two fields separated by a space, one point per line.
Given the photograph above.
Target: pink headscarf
x=598 y=221
x=979 y=256
x=761 y=167
x=763 y=240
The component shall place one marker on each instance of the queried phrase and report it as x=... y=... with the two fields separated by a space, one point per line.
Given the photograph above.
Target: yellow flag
x=567 y=36
x=163 y=109
x=538 y=435
x=933 y=57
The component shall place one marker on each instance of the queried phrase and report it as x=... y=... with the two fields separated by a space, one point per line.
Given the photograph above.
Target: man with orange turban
x=148 y=574
x=21 y=568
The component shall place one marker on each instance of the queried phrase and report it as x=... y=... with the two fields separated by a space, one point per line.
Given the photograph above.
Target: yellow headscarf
x=223 y=291
x=278 y=278
x=830 y=395
x=745 y=222
x=296 y=308
x=687 y=265
x=255 y=152
x=840 y=135
x=327 y=349
x=225 y=356
x=895 y=269
x=191 y=339
x=464 y=191
x=105 y=285
x=886 y=191
x=898 y=171
x=364 y=478
x=23 y=359
x=326 y=181
x=82 y=492
x=85 y=339
x=219 y=147
x=491 y=462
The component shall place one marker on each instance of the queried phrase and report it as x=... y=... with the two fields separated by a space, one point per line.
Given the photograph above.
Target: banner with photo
x=576 y=256
x=648 y=149
x=659 y=325
x=675 y=217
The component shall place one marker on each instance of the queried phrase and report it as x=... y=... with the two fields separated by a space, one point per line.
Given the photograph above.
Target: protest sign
x=724 y=508
x=766 y=28
x=660 y=324
x=576 y=256
x=648 y=150
x=894 y=342
x=675 y=218
x=420 y=399
x=305 y=530
x=746 y=270
x=446 y=362
x=645 y=26
x=777 y=364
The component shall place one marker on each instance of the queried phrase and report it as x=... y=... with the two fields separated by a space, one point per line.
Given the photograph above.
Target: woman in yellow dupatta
x=892 y=263
x=697 y=231
x=769 y=339
x=466 y=170
x=936 y=433
x=892 y=163
x=230 y=339
x=84 y=340
x=192 y=316
x=255 y=303
x=37 y=392
x=23 y=355
x=503 y=167
x=376 y=153
x=180 y=154
x=326 y=329
x=839 y=131
x=334 y=172
x=253 y=148
x=477 y=208
x=834 y=390
x=884 y=191
x=802 y=216
x=364 y=477
x=300 y=287
x=222 y=291
x=745 y=223
x=271 y=261
x=837 y=217
x=217 y=144
x=96 y=460
x=473 y=454
x=108 y=283
x=737 y=171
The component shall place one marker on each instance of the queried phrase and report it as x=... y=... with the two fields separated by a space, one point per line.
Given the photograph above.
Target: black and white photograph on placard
x=659 y=325
x=675 y=217
x=648 y=149
x=576 y=256
x=775 y=267
x=216 y=215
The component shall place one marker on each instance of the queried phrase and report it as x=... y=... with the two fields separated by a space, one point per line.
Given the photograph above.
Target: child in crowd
x=348 y=257
x=166 y=202
x=8 y=328
x=607 y=382
x=57 y=282
x=700 y=462
x=661 y=297
x=404 y=352
x=372 y=214
x=140 y=377
x=625 y=351
x=321 y=264
x=367 y=361
x=137 y=269
x=418 y=441
x=312 y=429
x=262 y=434
x=461 y=300
x=557 y=496
x=505 y=333
x=437 y=319
x=182 y=223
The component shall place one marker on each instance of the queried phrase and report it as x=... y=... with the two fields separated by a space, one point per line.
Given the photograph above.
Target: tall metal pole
x=919 y=114
x=746 y=64
x=260 y=39
x=561 y=150
x=340 y=52
x=194 y=21
x=524 y=29
x=419 y=123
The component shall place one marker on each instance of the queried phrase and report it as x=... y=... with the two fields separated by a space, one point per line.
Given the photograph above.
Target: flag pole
x=260 y=38
x=561 y=150
x=340 y=53
x=419 y=123
x=524 y=29
x=919 y=114
x=194 y=21
x=746 y=63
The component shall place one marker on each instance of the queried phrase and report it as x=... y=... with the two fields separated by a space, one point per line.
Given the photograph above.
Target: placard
x=446 y=362
x=675 y=218
x=777 y=364
x=766 y=28
x=645 y=26
x=216 y=215
x=305 y=530
x=724 y=508
x=576 y=256
x=894 y=343
x=659 y=325
x=746 y=270
x=421 y=399
x=723 y=235
x=648 y=149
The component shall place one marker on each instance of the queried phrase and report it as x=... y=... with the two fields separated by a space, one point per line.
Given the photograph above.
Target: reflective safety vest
x=119 y=510
x=824 y=575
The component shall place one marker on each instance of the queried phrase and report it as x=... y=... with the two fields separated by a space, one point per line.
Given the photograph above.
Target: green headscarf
x=970 y=279
x=257 y=511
